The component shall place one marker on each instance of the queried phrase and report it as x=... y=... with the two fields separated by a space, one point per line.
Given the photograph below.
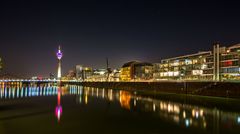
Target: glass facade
x=183 y=67
x=220 y=64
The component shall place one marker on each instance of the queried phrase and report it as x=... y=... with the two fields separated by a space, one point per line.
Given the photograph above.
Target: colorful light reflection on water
x=178 y=113
x=58 y=110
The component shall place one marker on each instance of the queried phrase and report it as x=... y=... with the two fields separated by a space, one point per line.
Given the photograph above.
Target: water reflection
x=124 y=99
x=58 y=109
x=184 y=115
x=12 y=91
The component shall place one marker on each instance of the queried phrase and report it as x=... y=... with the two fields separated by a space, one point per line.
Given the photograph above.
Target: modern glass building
x=187 y=67
x=230 y=64
x=222 y=63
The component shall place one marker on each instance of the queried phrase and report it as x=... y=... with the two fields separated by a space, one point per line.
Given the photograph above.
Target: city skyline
x=122 y=31
x=119 y=66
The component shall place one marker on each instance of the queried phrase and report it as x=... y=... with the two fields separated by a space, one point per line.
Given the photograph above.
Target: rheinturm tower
x=59 y=57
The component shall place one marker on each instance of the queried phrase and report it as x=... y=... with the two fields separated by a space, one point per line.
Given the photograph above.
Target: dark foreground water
x=43 y=109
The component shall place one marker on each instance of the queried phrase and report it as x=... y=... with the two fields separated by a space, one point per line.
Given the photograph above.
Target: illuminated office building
x=127 y=71
x=191 y=67
x=222 y=63
x=229 y=65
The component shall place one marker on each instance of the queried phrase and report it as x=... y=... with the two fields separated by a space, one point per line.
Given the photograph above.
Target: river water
x=48 y=108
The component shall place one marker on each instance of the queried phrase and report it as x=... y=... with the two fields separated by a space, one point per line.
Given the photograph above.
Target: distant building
x=127 y=71
x=102 y=75
x=143 y=71
x=115 y=75
x=98 y=75
x=100 y=71
x=222 y=63
x=83 y=72
x=79 y=69
x=135 y=70
x=71 y=74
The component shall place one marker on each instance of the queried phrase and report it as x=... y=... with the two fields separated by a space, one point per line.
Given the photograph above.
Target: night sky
x=89 y=31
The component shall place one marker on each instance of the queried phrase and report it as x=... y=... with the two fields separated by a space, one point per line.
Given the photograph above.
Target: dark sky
x=91 y=30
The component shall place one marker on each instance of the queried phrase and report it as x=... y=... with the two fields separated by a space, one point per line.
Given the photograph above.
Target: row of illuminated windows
x=230 y=70
x=199 y=72
x=209 y=71
x=177 y=73
x=125 y=68
x=235 y=50
x=229 y=63
x=186 y=62
x=229 y=57
x=169 y=74
x=194 y=67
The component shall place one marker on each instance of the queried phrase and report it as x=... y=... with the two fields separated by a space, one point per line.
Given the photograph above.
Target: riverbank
x=216 y=89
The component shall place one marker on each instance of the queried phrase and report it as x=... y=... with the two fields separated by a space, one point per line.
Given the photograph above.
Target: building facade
x=188 y=67
x=136 y=71
x=229 y=65
x=114 y=75
x=83 y=73
x=222 y=63
x=127 y=71
x=143 y=71
x=98 y=75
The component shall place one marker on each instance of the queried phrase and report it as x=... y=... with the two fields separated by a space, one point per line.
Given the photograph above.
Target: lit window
x=187 y=61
